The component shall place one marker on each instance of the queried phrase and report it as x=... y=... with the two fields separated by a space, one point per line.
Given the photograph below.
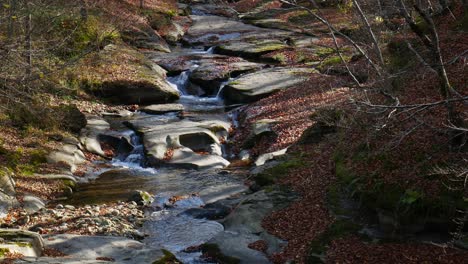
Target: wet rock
x=27 y=243
x=183 y=143
x=141 y=198
x=212 y=211
x=254 y=86
x=211 y=74
x=244 y=226
x=161 y=109
x=185 y=157
x=120 y=249
x=119 y=113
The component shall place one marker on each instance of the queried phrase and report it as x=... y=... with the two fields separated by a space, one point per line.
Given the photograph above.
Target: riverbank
x=205 y=135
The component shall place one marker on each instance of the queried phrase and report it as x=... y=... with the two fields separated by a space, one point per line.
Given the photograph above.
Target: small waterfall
x=180 y=82
x=219 y=94
x=136 y=158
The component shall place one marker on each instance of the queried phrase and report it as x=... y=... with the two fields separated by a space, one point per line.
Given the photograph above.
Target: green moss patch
x=271 y=175
x=168 y=258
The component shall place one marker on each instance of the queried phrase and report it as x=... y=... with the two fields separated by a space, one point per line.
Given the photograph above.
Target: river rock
x=87 y=249
x=69 y=154
x=134 y=79
x=210 y=74
x=262 y=159
x=210 y=30
x=254 y=86
x=29 y=244
x=260 y=129
x=8 y=193
x=252 y=48
x=213 y=211
x=90 y=134
x=185 y=157
x=145 y=38
x=32 y=204
x=159 y=109
x=244 y=226
x=177 y=142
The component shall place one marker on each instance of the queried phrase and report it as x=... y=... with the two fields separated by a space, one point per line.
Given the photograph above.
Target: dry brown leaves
x=353 y=250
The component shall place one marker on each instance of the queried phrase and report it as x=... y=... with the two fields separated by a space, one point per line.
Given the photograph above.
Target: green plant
x=270 y=175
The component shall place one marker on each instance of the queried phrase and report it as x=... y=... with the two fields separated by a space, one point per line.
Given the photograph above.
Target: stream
x=167 y=226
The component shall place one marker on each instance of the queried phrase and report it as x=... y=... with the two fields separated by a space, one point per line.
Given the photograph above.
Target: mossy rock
x=168 y=258
x=124 y=75
x=271 y=175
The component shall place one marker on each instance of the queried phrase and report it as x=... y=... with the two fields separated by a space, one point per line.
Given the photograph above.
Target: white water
x=136 y=158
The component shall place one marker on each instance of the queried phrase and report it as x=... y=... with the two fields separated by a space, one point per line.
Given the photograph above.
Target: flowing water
x=167 y=226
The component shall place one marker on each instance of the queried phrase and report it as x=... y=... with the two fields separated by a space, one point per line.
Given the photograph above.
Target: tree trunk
x=28 y=45
x=11 y=19
x=84 y=11
x=142 y=3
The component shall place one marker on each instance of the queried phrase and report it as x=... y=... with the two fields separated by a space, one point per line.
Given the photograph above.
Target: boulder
x=28 y=244
x=141 y=198
x=251 y=49
x=260 y=129
x=244 y=226
x=7 y=193
x=185 y=143
x=211 y=74
x=254 y=86
x=88 y=249
x=262 y=159
x=134 y=79
x=69 y=154
x=89 y=137
x=32 y=204
x=145 y=38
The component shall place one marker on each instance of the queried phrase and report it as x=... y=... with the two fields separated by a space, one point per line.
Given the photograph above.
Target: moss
x=271 y=175
x=3 y=252
x=269 y=46
x=90 y=34
x=168 y=258
x=37 y=157
x=215 y=254
x=338 y=229
x=324 y=51
x=334 y=60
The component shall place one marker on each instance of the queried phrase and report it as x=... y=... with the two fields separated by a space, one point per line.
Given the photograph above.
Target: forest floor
x=391 y=162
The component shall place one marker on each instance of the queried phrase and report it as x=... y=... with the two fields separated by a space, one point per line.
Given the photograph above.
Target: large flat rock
x=254 y=86
x=182 y=142
x=89 y=249
x=134 y=79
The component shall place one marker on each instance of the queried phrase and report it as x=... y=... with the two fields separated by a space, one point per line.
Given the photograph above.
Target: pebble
x=70 y=207
x=59 y=206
